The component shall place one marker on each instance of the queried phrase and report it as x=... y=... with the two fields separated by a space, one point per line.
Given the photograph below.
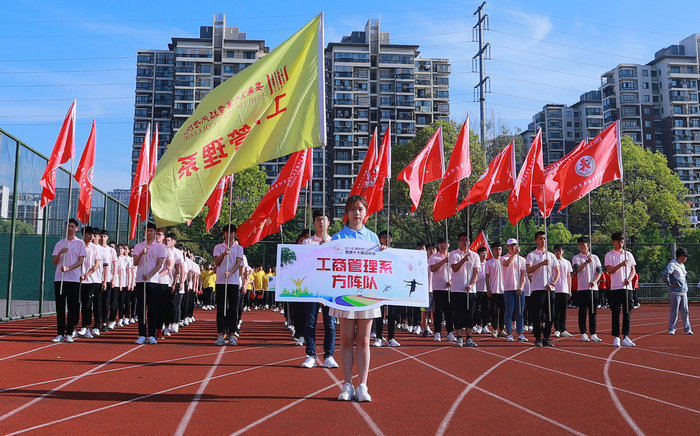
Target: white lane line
x=58 y=388
x=498 y=397
x=193 y=404
x=667 y=353
x=29 y=351
x=142 y=397
x=313 y=394
x=27 y=331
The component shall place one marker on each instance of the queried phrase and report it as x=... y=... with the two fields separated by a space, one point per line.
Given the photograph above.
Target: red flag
x=367 y=176
x=375 y=195
x=154 y=154
x=84 y=175
x=298 y=176
x=596 y=163
x=481 y=241
x=63 y=149
x=139 y=186
x=215 y=202
x=460 y=167
x=499 y=176
x=262 y=223
x=532 y=173
x=551 y=186
x=426 y=167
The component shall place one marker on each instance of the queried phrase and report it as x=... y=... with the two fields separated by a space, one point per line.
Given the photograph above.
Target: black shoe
x=547 y=343
x=538 y=343
x=104 y=329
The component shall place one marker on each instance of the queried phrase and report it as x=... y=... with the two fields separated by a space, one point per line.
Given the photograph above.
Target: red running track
x=186 y=385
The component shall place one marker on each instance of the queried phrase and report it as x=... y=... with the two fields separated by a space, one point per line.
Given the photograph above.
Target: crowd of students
x=504 y=296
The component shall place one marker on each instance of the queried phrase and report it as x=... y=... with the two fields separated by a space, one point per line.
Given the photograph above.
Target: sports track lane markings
x=58 y=388
x=313 y=394
x=29 y=351
x=27 y=331
x=498 y=397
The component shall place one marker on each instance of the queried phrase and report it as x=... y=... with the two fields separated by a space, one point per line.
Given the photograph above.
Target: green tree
x=21 y=228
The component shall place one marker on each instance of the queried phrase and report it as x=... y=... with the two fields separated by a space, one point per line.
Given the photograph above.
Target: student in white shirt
x=493 y=280
x=675 y=277
x=426 y=312
x=588 y=270
x=465 y=266
x=620 y=264
x=514 y=274
x=441 y=276
x=228 y=258
x=482 y=314
x=149 y=256
x=68 y=256
x=91 y=285
x=110 y=294
x=542 y=266
x=562 y=293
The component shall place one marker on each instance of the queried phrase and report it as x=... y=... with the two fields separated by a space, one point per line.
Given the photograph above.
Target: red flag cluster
x=374 y=171
x=145 y=168
x=84 y=174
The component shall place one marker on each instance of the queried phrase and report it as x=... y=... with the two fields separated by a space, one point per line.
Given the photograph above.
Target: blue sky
x=542 y=52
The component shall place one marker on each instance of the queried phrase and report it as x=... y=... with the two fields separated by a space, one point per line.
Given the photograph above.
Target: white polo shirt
x=494 y=270
x=463 y=276
x=617 y=279
x=155 y=252
x=512 y=273
x=76 y=249
x=167 y=279
x=562 y=284
x=228 y=261
x=109 y=257
x=93 y=254
x=481 y=278
x=586 y=275
x=443 y=274
x=544 y=275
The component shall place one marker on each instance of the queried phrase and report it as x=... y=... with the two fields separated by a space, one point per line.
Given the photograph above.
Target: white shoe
x=185 y=322
x=141 y=340
x=485 y=330
x=451 y=337
x=58 y=338
x=417 y=330
x=566 y=334
x=459 y=342
x=166 y=331
x=152 y=340
x=361 y=394
x=330 y=362
x=373 y=335
x=111 y=325
x=301 y=342
x=428 y=331
x=557 y=334
x=584 y=338
x=192 y=319
x=88 y=334
x=348 y=392
x=478 y=329
x=509 y=338
x=95 y=332
x=377 y=342
x=595 y=338
x=175 y=328
x=120 y=323
x=627 y=342
x=616 y=342
x=82 y=331
x=437 y=337
x=132 y=321
x=393 y=343
x=309 y=362
x=69 y=339
x=689 y=332
x=522 y=338
x=671 y=332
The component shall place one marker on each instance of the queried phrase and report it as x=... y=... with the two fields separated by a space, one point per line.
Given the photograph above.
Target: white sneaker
x=166 y=331
x=451 y=337
x=689 y=332
x=347 y=393
x=141 y=340
x=522 y=338
x=88 y=334
x=671 y=332
x=95 y=332
x=509 y=338
x=220 y=341
x=616 y=342
x=557 y=334
x=330 y=362
x=186 y=322
x=58 y=338
x=584 y=338
x=417 y=330
x=478 y=329
x=373 y=335
x=566 y=334
x=69 y=339
x=82 y=331
x=459 y=342
x=428 y=331
x=120 y=323
x=309 y=362
x=595 y=338
x=111 y=325
x=301 y=342
x=485 y=330
x=192 y=319
x=132 y=321
x=627 y=342
x=437 y=337
x=152 y=340
x=393 y=343
x=175 y=328
x=361 y=394
x=377 y=342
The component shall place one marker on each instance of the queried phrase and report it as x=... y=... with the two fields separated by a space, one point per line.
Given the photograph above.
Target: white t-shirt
x=93 y=254
x=512 y=273
x=481 y=279
x=228 y=261
x=617 y=279
x=155 y=251
x=494 y=270
x=544 y=275
x=247 y=268
x=109 y=257
x=315 y=240
x=442 y=275
x=76 y=249
x=179 y=260
x=120 y=276
x=585 y=276
x=167 y=279
x=562 y=284
x=463 y=276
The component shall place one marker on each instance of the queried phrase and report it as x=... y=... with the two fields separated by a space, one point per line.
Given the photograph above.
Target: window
x=645 y=73
x=351 y=57
x=645 y=98
x=395 y=59
x=647 y=123
x=645 y=85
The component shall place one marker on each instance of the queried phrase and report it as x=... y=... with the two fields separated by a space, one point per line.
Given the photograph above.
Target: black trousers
x=177 y=307
x=498 y=312
x=90 y=303
x=463 y=307
x=393 y=316
x=149 y=323
x=560 y=300
x=122 y=302
x=483 y=308
x=585 y=305
x=617 y=303
x=298 y=318
x=227 y=300
x=113 y=302
x=443 y=310
x=104 y=302
x=540 y=307
x=70 y=296
x=165 y=303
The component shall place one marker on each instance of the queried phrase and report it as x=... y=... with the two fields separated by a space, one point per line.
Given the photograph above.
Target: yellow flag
x=271 y=109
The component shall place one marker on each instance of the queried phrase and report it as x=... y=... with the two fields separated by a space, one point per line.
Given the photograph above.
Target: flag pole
x=388 y=181
x=624 y=230
x=70 y=189
x=590 y=241
x=145 y=225
x=228 y=243
x=546 y=238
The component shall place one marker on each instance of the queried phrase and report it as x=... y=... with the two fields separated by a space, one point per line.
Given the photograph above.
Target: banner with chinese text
x=351 y=274
x=271 y=109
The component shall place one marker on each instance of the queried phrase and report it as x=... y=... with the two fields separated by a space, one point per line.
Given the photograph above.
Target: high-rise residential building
x=371 y=83
x=170 y=83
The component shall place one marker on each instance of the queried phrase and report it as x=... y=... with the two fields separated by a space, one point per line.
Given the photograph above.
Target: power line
x=536 y=83
x=522 y=97
x=64 y=85
x=545 y=69
x=549 y=56
x=66 y=59
x=67 y=71
x=66 y=99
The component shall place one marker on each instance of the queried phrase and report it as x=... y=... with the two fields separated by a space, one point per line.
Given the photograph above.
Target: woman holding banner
x=355 y=326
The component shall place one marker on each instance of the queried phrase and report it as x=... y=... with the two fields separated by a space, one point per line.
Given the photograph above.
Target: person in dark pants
x=68 y=256
x=620 y=264
x=465 y=265
x=588 y=270
x=148 y=257
x=91 y=284
x=442 y=274
x=228 y=258
x=562 y=293
x=482 y=315
x=542 y=266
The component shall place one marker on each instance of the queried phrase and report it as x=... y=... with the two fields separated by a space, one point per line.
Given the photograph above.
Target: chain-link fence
x=28 y=233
